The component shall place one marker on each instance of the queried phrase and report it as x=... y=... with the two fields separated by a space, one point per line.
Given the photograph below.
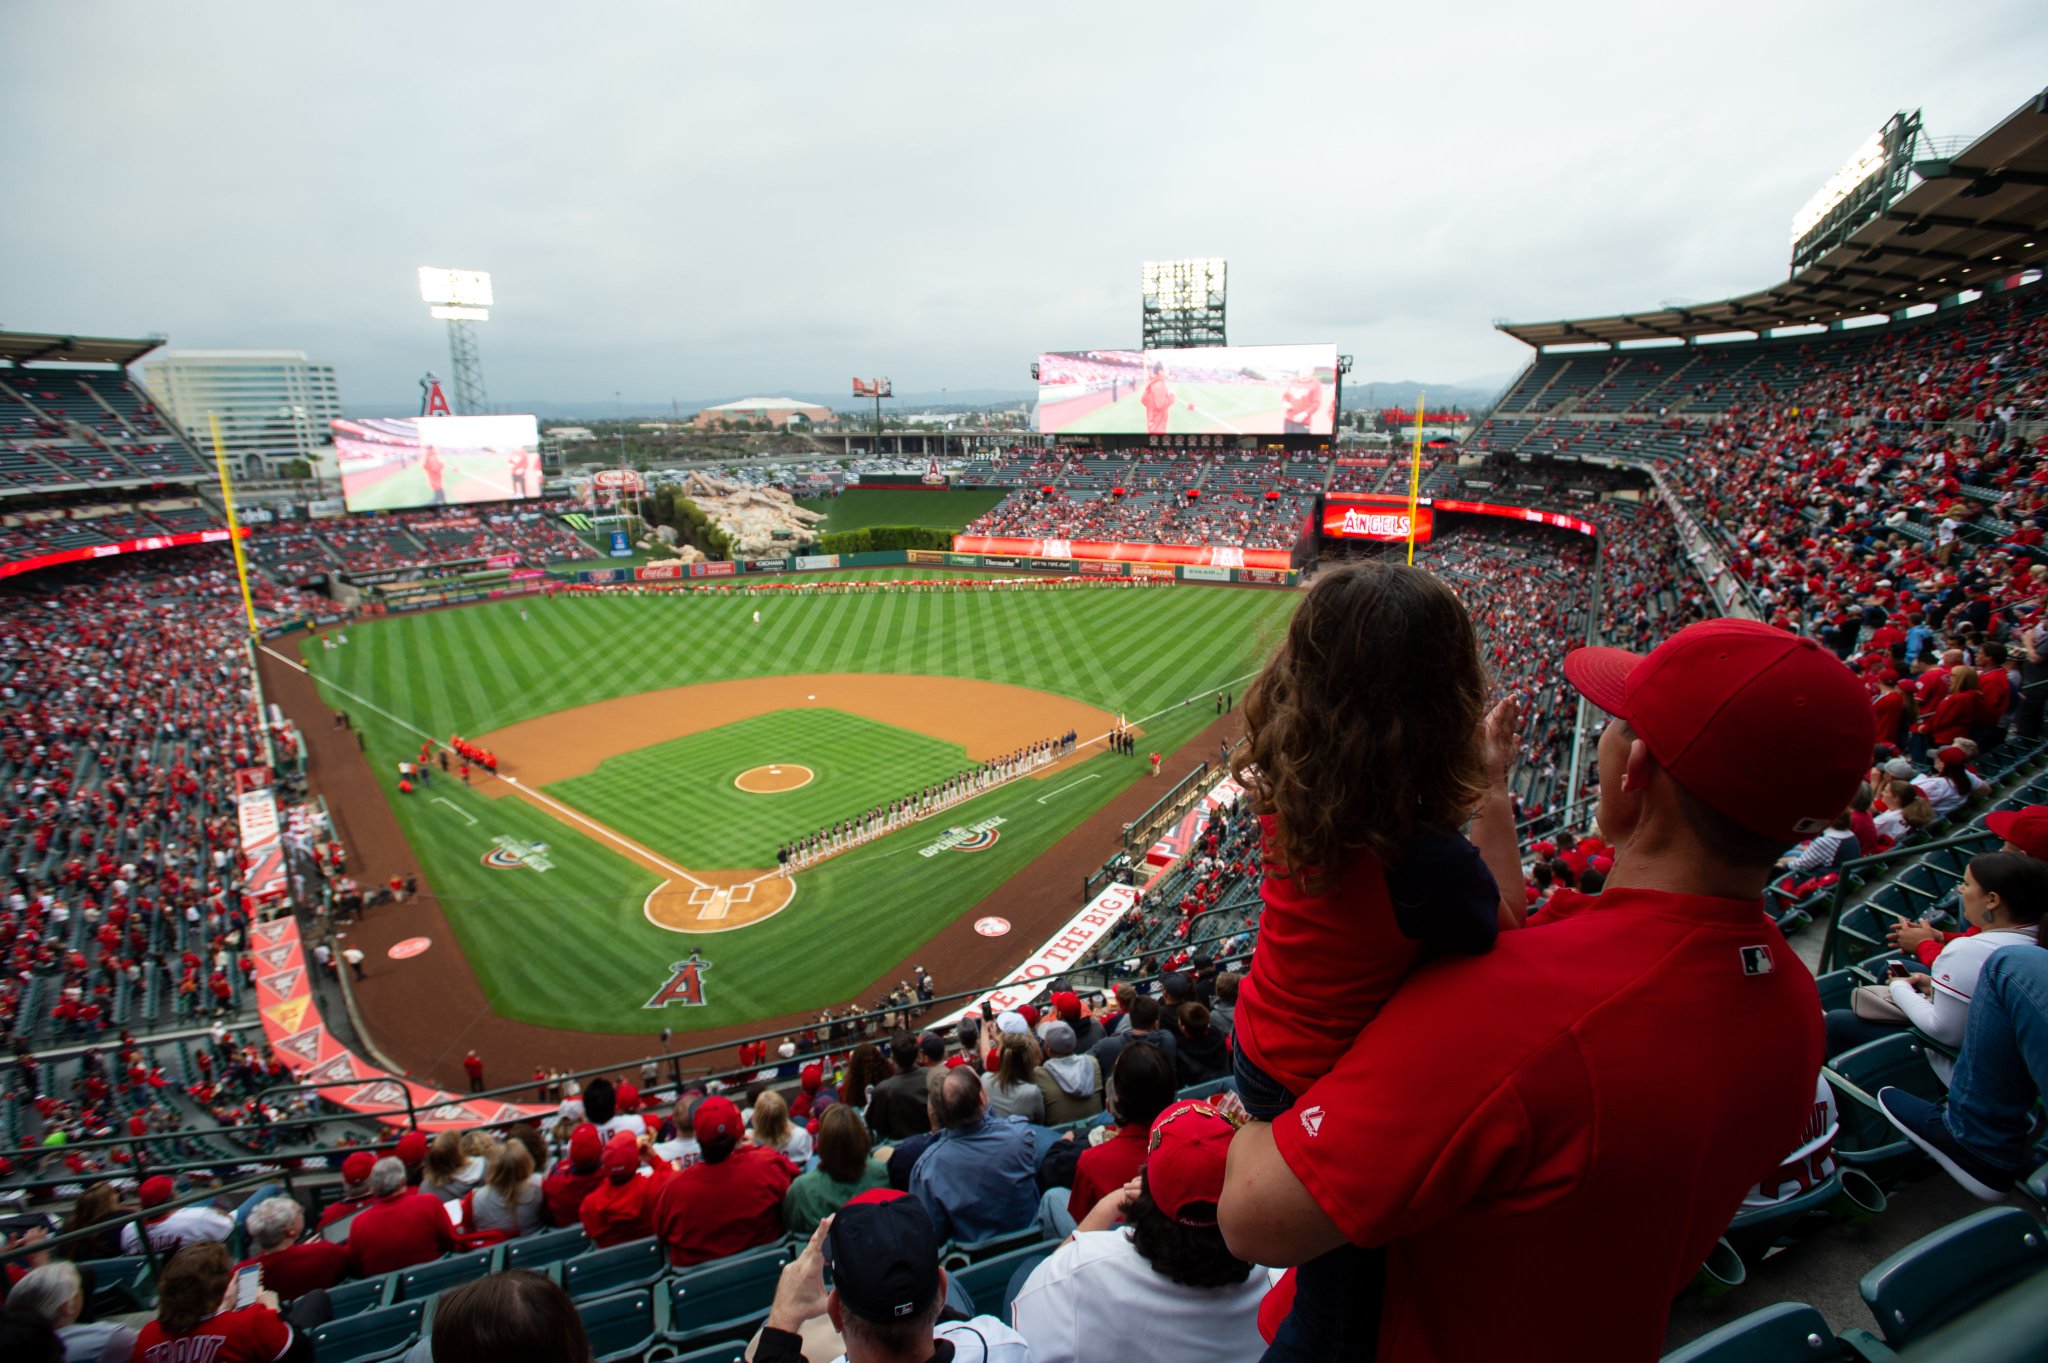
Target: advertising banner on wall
x=659 y=572
x=816 y=562
x=1219 y=556
x=765 y=565
x=924 y=555
x=1273 y=577
x=1061 y=953
x=1199 y=573
x=1163 y=571
x=1095 y=568
x=1384 y=521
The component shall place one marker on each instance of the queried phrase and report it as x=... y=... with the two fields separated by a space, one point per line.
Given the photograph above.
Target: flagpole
x=1415 y=477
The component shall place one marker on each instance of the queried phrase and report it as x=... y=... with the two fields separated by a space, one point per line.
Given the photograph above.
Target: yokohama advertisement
x=1377 y=521
x=1216 y=556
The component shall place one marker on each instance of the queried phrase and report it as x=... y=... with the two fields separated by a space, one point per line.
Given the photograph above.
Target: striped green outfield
x=948 y=510
x=1139 y=651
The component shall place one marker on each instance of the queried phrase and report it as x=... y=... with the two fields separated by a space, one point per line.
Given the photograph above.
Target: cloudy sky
x=695 y=202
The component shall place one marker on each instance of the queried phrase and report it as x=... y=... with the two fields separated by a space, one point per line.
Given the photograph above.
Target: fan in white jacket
x=2004 y=895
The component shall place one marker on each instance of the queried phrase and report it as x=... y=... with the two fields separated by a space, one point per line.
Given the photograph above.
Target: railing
x=1843 y=873
x=1143 y=831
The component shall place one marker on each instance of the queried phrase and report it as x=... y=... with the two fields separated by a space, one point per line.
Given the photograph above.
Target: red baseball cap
x=714 y=1117
x=412 y=1147
x=586 y=1147
x=2026 y=829
x=155 y=1190
x=1184 y=1168
x=874 y=1195
x=1067 y=1004
x=628 y=1098
x=1952 y=755
x=621 y=1157
x=1714 y=695
x=356 y=1168
x=811 y=1076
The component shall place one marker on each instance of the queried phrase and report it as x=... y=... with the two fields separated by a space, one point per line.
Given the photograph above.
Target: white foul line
x=512 y=781
x=1068 y=786
x=456 y=807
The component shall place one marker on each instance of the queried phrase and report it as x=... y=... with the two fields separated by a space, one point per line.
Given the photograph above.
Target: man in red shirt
x=401 y=1228
x=621 y=1208
x=1157 y=400
x=474 y=1068
x=569 y=1182
x=290 y=1269
x=355 y=1188
x=1565 y=1147
x=731 y=1200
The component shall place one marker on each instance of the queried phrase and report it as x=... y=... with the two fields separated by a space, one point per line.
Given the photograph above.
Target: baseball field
x=654 y=751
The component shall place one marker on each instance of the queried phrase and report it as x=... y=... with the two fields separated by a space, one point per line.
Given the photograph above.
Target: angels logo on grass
x=975 y=837
x=685 y=984
x=509 y=854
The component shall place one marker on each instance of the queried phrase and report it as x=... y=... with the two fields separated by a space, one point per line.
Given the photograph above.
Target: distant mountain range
x=1468 y=393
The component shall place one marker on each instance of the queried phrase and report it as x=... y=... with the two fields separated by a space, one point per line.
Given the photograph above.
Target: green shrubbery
x=875 y=539
x=671 y=508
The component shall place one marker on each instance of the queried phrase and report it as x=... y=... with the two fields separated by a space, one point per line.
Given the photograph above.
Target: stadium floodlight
x=1182 y=303
x=467 y=288
x=1865 y=162
x=461 y=298
x=1875 y=176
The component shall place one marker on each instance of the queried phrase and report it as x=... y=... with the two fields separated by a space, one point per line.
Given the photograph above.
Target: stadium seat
x=545 y=1247
x=986 y=1283
x=345 y=1299
x=367 y=1334
x=602 y=1272
x=1867 y=1140
x=416 y=1284
x=620 y=1327
x=960 y=1253
x=1940 y=1276
x=119 y=1285
x=1790 y=1332
x=705 y=1300
x=728 y=1351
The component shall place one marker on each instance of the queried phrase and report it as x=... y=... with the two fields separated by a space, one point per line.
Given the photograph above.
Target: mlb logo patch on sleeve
x=1757 y=961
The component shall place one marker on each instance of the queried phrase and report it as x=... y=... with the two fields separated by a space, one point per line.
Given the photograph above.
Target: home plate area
x=713 y=902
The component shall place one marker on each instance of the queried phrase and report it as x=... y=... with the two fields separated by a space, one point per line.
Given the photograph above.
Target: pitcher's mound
x=774 y=779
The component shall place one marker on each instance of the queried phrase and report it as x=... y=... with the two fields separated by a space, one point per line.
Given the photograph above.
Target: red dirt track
x=425 y=1022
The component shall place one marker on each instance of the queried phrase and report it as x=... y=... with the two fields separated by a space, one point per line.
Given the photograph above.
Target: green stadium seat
x=1940 y=1276
x=960 y=1253
x=1790 y=1332
x=1867 y=1140
x=367 y=1334
x=709 y=1299
x=1837 y=985
x=346 y=1299
x=602 y=1272
x=120 y=1285
x=417 y=1284
x=545 y=1247
x=620 y=1327
x=985 y=1284
x=732 y=1351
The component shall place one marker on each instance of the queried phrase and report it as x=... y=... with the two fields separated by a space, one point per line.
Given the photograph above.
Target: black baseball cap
x=884 y=1256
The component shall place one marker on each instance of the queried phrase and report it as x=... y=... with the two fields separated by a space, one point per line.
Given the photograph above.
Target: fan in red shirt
x=194 y=1325
x=570 y=1181
x=290 y=1269
x=1157 y=400
x=1144 y=1084
x=1302 y=399
x=401 y=1228
x=355 y=1189
x=621 y=1208
x=731 y=1200
x=1538 y=1153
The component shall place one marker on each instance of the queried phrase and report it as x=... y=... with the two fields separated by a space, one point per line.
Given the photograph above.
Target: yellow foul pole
x=1414 y=478
x=227 y=498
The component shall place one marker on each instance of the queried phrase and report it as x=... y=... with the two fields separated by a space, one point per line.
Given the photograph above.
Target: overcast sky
x=699 y=202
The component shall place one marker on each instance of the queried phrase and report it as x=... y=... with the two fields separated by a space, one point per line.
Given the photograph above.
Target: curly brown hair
x=1367 y=722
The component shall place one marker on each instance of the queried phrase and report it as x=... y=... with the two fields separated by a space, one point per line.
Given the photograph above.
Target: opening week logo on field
x=975 y=837
x=509 y=854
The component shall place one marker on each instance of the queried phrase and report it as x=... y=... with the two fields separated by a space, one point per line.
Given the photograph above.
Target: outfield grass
x=571 y=946
x=948 y=510
x=702 y=821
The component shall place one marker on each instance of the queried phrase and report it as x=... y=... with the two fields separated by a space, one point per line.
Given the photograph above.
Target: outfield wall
x=939 y=558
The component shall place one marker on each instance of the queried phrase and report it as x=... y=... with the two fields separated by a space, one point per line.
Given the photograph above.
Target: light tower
x=461 y=298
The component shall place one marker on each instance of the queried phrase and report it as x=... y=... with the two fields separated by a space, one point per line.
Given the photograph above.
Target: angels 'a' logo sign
x=433 y=402
x=685 y=985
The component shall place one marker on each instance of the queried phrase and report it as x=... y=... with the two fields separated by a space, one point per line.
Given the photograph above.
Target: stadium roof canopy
x=28 y=347
x=767 y=405
x=1973 y=217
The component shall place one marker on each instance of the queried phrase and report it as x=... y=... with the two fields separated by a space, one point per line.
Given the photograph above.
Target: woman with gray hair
x=290 y=1269
x=1071 y=1083
x=55 y=1294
